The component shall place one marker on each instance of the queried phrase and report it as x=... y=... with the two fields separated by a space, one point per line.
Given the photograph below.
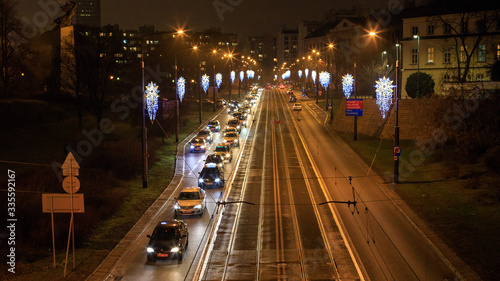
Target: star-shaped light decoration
x=181 y=87
x=233 y=76
x=151 y=96
x=324 y=79
x=384 y=91
x=205 y=82
x=347 y=82
x=218 y=79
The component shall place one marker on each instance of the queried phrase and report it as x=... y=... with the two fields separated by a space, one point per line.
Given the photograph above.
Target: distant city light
x=152 y=100
x=218 y=79
x=384 y=91
x=181 y=87
x=347 y=82
x=205 y=82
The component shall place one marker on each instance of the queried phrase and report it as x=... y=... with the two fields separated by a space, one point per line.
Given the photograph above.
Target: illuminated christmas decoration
x=242 y=76
x=233 y=76
x=258 y=77
x=306 y=72
x=313 y=76
x=324 y=79
x=205 y=82
x=151 y=97
x=275 y=77
x=181 y=88
x=300 y=73
x=384 y=91
x=251 y=74
x=347 y=82
x=218 y=79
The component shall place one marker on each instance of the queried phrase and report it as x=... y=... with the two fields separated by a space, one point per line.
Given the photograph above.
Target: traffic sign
x=61 y=203
x=70 y=166
x=354 y=107
x=396 y=151
x=71 y=184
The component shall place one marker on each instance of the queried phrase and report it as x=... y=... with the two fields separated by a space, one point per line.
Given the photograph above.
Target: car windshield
x=203 y=133
x=163 y=233
x=231 y=135
x=197 y=141
x=212 y=158
x=221 y=148
x=213 y=123
x=209 y=172
x=232 y=122
x=189 y=196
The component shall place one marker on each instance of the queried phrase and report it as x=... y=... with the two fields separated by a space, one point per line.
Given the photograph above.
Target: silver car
x=191 y=201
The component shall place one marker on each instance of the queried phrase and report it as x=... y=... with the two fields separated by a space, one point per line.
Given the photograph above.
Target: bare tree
x=467 y=29
x=13 y=49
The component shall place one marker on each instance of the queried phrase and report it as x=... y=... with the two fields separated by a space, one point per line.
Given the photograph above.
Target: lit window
x=430 y=55
x=498 y=52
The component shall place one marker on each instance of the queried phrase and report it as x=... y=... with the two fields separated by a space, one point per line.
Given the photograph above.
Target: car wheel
x=180 y=258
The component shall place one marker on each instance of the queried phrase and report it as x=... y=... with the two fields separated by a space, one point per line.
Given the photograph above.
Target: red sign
x=354 y=104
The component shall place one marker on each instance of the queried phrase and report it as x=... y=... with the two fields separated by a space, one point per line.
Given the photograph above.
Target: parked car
x=169 y=240
x=191 y=201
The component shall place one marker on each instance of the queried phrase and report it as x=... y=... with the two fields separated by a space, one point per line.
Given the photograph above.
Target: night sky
x=247 y=17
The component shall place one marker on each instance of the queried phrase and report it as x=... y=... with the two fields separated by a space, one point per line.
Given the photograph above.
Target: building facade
x=88 y=13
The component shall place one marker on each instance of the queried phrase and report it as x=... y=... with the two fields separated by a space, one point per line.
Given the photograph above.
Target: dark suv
x=211 y=176
x=169 y=240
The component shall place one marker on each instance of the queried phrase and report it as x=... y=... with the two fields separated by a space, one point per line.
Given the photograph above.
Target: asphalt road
x=273 y=225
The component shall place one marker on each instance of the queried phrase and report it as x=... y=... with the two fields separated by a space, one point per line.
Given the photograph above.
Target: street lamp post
x=416 y=36
x=355 y=96
x=214 y=52
x=396 y=126
x=144 y=129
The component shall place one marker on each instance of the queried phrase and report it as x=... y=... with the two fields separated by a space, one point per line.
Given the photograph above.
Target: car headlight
x=208 y=128
x=228 y=155
x=177 y=206
x=238 y=127
x=174 y=250
x=200 y=180
x=235 y=140
x=192 y=147
x=202 y=147
x=217 y=180
x=208 y=138
x=197 y=206
x=150 y=250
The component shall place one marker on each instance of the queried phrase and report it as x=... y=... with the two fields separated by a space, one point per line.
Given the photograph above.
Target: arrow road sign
x=70 y=166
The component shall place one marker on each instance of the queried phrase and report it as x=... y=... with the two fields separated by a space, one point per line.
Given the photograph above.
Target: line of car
x=170 y=238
